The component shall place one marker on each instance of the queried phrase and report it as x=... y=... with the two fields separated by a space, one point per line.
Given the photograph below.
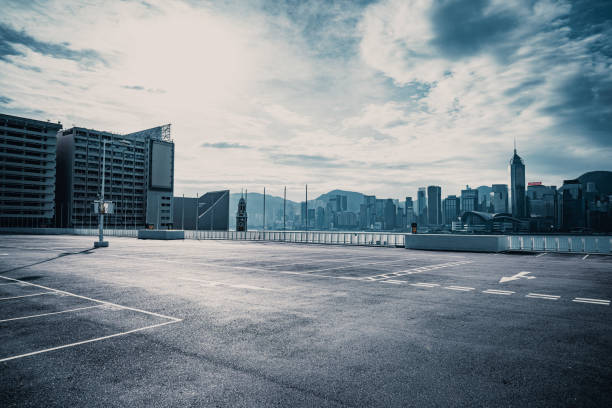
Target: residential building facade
x=27 y=172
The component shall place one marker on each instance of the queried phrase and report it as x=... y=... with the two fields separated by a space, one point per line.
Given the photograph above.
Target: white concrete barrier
x=447 y=242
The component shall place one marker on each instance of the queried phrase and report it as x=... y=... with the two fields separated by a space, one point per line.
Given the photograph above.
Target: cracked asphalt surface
x=227 y=323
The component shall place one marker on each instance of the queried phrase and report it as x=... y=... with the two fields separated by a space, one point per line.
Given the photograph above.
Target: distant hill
x=602 y=180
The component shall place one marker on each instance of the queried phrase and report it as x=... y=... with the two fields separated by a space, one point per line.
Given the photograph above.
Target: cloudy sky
x=378 y=97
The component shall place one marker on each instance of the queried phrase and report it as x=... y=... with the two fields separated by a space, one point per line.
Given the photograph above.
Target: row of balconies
x=30 y=156
x=18 y=213
x=10 y=179
x=82 y=164
x=26 y=196
x=12 y=188
x=82 y=137
x=41 y=173
x=30 y=163
x=28 y=133
x=26 y=152
x=9 y=205
x=21 y=142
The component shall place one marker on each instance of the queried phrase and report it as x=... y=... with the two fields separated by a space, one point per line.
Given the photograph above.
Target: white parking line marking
x=395 y=282
x=88 y=341
x=24 y=296
x=542 y=254
x=585 y=257
x=360 y=264
x=459 y=288
x=49 y=314
x=498 y=292
x=603 y=302
x=542 y=296
x=425 y=285
x=92 y=299
x=415 y=270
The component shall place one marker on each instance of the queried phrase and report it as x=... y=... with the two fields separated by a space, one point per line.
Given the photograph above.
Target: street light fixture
x=101 y=206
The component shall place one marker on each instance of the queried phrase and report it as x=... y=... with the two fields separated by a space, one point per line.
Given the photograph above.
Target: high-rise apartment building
x=434 y=205
x=27 y=172
x=500 y=198
x=517 y=186
x=139 y=177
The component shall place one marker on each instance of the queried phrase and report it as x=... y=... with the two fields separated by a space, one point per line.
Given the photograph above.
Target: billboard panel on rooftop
x=162 y=156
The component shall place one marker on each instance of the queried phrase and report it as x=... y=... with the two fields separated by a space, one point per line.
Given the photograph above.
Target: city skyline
x=386 y=96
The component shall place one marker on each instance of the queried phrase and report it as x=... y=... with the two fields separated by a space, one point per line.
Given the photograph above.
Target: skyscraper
x=450 y=209
x=517 y=186
x=434 y=205
x=409 y=211
x=500 y=198
x=469 y=199
x=367 y=212
x=389 y=214
x=421 y=205
x=571 y=206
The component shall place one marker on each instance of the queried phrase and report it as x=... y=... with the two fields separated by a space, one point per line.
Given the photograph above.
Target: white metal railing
x=561 y=243
x=311 y=237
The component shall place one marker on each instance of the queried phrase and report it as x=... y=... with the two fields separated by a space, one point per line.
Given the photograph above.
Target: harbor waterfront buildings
x=51 y=177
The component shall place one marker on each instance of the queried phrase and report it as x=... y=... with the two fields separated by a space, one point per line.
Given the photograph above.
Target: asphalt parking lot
x=226 y=323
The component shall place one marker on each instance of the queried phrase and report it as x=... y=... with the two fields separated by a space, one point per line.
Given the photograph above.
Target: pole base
x=100 y=244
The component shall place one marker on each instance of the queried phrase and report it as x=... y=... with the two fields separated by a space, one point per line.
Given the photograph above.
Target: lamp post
x=100 y=243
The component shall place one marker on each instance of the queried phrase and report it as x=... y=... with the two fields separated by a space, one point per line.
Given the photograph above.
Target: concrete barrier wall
x=161 y=234
x=447 y=242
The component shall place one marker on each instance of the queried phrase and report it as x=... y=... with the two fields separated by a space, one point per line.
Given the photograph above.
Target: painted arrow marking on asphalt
x=516 y=277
